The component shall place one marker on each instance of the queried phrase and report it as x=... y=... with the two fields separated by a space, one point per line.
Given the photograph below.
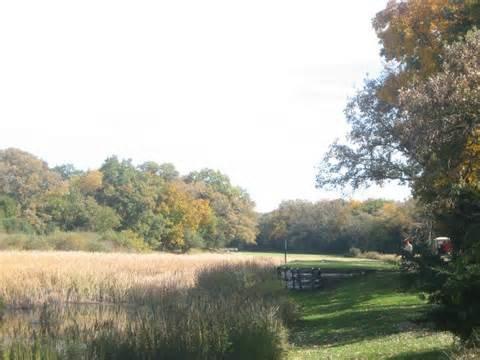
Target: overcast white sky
x=254 y=88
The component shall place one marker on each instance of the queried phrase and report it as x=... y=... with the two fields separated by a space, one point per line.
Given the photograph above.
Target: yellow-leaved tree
x=187 y=219
x=412 y=33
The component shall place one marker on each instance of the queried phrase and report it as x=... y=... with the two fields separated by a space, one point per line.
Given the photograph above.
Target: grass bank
x=329 y=262
x=366 y=317
x=345 y=266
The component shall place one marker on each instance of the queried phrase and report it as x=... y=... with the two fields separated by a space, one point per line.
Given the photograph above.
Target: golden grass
x=33 y=278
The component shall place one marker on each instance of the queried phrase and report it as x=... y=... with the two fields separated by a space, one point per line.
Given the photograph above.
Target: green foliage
x=418 y=123
x=16 y=225
x=130 y=192
x=8 y=207
x=214 y=180
x=405 y=135
x=458 y=296
x=25 y=178
x=125 y=239
x=150 y=203
x=446 y=108
x=67 y=171
x=74 y=241
x=74 y=211
x=336 y=226
x=235 y=221
x=166 y=171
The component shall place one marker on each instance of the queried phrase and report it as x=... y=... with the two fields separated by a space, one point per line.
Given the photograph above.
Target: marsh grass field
x=77 y=305
x=61 y=305
x=32 y=278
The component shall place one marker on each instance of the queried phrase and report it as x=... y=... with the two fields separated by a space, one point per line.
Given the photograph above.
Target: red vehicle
x=442 y=245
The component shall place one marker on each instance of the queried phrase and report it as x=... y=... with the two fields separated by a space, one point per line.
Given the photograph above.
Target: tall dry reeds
x=167 y=307
x=34 y=278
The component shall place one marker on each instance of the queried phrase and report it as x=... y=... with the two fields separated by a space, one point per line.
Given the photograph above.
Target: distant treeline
x=336 y=226
x=151 y=206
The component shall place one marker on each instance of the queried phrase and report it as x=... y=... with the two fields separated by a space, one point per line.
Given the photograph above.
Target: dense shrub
x=354 y=252
x=459 y=310
x=16 y=225
x=74 y=241
x=126 y=239
x=373 y=255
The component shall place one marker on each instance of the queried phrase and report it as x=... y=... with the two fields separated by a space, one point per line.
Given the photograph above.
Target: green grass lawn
x=366 y=317
x=294 y=256
x=352 y=264
x=329 y=262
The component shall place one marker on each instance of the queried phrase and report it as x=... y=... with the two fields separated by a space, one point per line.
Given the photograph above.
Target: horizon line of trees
x=150 y=206
x=336 y=226
x=150 y=202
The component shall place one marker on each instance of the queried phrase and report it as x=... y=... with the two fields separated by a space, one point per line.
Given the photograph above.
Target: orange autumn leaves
x=413 y=33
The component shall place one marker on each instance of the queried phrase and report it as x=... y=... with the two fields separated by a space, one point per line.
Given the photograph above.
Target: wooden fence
x=314 y=278
x=301 y=278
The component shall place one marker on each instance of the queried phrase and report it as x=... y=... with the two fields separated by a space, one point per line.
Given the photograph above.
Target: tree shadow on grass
x=349 y=293
x=356 y=310
x=346 y=266
x=354 y=326
x=423 y=355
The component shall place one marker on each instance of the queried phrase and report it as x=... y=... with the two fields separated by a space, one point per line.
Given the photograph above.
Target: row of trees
x=151 y=201
x=336 y=226
x=419 y=123
x=155 y=207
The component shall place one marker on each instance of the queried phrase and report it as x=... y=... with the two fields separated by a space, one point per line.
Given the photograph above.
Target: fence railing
x=314 y=278
x=301 y=278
